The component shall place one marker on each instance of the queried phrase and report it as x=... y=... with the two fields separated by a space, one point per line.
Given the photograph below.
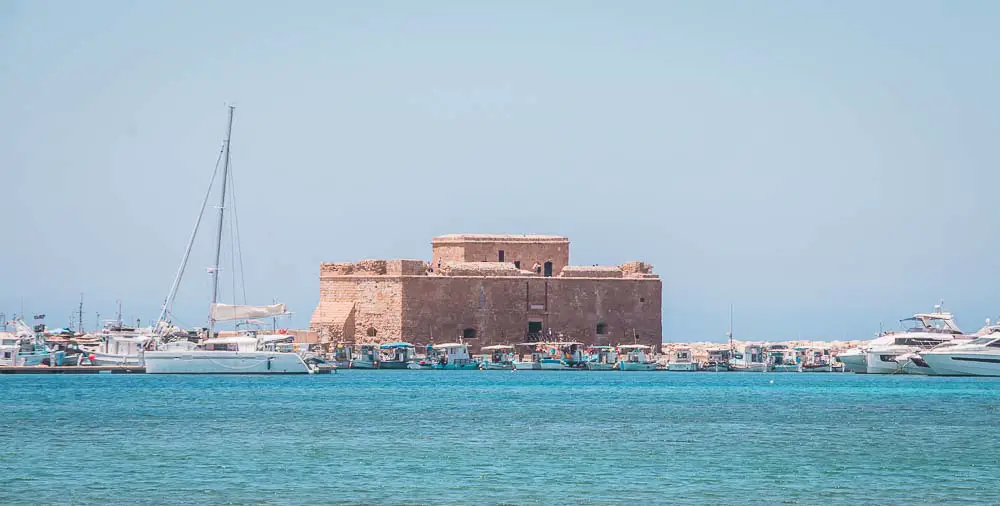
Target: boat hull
x=748 y=368
x=109 y=359
x=883 y=362
x=596 y=366
x=637 y=366
x=526 y=366
x=962 y=364
x=817 y=368
x=498 y=366
x=394 y=364
x=682 y=366
x=224 y=362
x=786 y=368
x=549 y=364
x=854 y=362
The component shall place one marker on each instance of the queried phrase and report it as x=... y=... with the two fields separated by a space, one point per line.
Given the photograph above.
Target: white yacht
x=683 y=360
x=926 y=330
x=854 y=359
x=979 y=357
x=241 y=354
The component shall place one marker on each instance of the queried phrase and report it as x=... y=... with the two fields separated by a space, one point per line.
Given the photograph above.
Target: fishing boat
x=602 y=358
x=397 y=355
x=27 y=347
x=450 y=356
x=498 y=356
x=340 y=356
x=718 y=360
x=636 y=357
x=247 y=353
x=781 y=358
x=541 y=356
x=818 y=360
x=367 y=357
x=682 y=360
x=751 y=359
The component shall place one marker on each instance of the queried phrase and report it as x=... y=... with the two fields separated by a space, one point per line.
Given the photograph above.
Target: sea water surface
x=492 y=437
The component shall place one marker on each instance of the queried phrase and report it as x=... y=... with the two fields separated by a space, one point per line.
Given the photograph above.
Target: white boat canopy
x=226 y=312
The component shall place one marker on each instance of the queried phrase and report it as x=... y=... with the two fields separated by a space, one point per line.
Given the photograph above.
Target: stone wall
x=528 y=251
x=499 y=309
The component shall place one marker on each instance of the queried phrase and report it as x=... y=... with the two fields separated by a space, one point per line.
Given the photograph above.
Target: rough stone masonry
x=488 y=289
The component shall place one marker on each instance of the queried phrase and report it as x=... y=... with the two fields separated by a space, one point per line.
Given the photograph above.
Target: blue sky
x=823 y=166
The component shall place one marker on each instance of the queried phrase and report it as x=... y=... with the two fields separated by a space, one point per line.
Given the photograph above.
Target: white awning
x=226 y=312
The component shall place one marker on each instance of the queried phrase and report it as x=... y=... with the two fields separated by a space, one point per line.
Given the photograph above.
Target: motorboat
x=718 y=359
x=978 y=357
x=819 y=360
x=450 y=356
x=601 y=358
x=27 y=347
x=541 y=356
x=497 y=356
x=781 y=358
x=636 y=357
x=397 y=355
x=752 y=359
x=120 y=345
x=368 y=356
x=682 y=360
x=924 y=331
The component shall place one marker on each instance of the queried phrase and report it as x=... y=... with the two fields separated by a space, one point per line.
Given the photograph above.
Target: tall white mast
x=218 y=238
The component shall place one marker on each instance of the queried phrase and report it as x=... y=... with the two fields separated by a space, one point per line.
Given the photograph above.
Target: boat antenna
x=732 y=348
x=79 y=316
x=218 y=236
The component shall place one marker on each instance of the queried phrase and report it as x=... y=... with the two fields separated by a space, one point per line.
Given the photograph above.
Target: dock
x=74 y=369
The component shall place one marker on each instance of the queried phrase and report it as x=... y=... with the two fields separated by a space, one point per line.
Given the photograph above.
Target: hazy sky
x=824 y=166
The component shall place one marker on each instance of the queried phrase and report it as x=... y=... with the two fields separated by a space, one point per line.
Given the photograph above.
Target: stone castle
x=489 y=289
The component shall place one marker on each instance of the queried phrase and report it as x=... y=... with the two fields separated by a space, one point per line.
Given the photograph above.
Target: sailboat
x=246 y=353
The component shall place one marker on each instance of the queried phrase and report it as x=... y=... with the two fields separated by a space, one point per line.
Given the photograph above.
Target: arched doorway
x=548 y=269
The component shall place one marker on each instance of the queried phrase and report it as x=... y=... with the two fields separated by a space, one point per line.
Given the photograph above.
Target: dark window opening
x=534 y=330
x=501 y=255
x=602 y=329
x=469 y=334
x=642 y=299
x=517 y=263
x=548 y=269
x=372 y=332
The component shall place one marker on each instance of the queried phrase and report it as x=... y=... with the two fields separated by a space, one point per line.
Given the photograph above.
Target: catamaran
x=247 y=353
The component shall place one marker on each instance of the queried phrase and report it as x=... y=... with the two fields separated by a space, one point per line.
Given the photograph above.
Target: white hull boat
x=224 y=362
x=682 y=366
x=854 y=360
x=980 y=357
x=108 y=359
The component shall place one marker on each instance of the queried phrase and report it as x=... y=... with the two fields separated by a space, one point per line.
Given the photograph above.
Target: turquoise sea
x=499 y=437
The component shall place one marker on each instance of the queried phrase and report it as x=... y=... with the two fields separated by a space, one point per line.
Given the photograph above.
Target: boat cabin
x=636 y=353
x=448 y=353
x=499 y=353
